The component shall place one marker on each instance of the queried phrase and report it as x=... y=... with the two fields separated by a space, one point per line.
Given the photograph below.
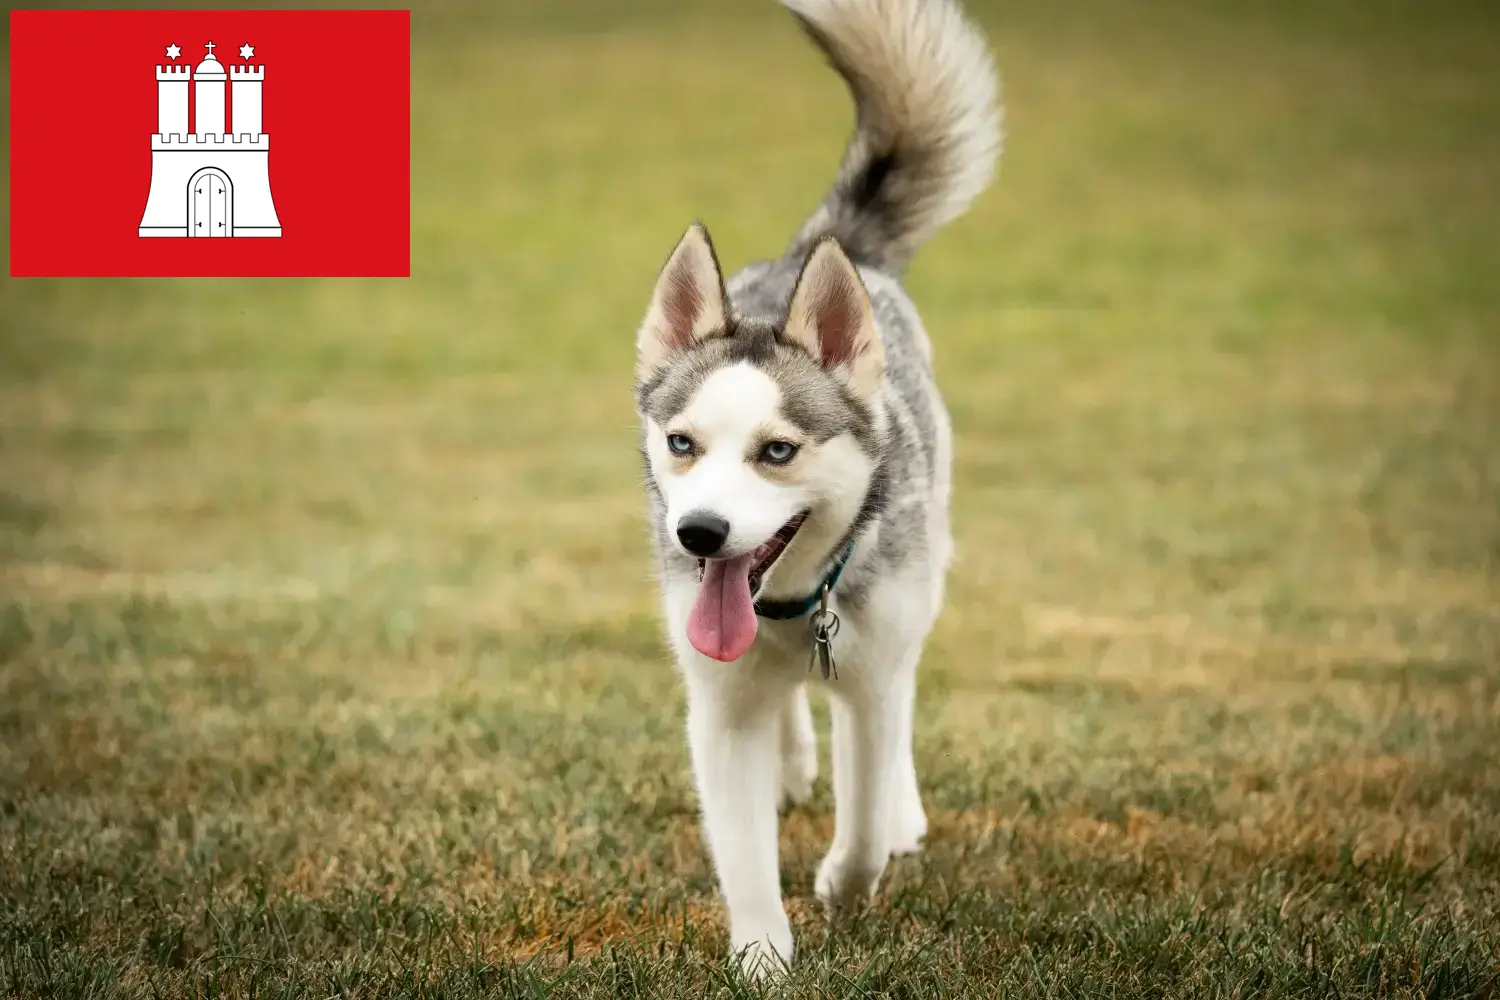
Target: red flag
x=284 y=137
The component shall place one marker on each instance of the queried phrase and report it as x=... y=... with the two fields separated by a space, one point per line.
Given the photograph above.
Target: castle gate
x=210 y=203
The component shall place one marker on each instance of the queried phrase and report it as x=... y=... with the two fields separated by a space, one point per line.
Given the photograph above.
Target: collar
x=786 y=610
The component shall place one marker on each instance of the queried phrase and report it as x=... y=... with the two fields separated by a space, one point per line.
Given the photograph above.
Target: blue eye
x=680 y=444
x=778 y=452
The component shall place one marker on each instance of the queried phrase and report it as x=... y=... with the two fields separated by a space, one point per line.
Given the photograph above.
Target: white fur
x=752 y=745
x=749 y=724
x=924 y=82
x=730 y=412
x=734 y=408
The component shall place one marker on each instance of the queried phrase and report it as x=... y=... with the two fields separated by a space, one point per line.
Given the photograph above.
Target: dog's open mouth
x=722 y=623
x=765 y=556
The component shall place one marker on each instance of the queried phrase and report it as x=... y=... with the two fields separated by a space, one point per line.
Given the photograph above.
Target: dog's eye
x=778 y=452
x=680 y=444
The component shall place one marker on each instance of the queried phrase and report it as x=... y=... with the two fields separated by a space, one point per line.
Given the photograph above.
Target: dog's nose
x=702 y=533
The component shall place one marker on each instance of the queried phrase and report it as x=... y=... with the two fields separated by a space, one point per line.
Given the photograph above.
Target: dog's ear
x=689 y=302
x=832 y=319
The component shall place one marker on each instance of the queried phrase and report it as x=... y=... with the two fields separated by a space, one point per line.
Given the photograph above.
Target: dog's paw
x=763 y=960
x=846 y=884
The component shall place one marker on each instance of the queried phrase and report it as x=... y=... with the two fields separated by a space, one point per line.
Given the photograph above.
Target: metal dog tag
x=825 y=625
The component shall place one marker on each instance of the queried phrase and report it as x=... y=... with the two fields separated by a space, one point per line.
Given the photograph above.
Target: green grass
x=329 y=660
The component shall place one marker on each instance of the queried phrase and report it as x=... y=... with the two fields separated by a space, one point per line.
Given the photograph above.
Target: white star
x=174 y=50
x=247 y=50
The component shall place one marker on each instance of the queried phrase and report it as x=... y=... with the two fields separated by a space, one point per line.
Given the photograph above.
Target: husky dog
x=798 y=461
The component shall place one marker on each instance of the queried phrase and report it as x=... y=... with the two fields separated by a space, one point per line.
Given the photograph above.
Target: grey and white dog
x=798 y=460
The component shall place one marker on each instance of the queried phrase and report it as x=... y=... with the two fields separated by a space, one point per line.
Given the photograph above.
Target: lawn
x=329 y=653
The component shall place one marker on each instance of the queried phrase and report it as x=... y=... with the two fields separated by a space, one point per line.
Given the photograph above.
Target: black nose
x=702 y=533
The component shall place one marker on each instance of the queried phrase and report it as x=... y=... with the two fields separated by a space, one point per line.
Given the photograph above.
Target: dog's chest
x=799 y=646
x=786 y=639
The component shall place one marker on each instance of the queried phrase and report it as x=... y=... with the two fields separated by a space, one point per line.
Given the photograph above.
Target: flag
x=210 y=143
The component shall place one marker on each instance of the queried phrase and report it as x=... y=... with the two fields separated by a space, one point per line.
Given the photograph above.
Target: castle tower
x=245 y=83
x=210 y=182
x=208 y=82
x=172 y=99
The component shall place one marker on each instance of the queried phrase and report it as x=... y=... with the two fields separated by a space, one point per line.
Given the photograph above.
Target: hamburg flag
x=210 y=143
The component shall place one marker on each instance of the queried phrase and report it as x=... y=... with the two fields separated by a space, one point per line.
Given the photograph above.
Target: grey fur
x=812 y=401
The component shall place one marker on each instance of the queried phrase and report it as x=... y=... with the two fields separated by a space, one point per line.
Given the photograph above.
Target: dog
x=798 y=468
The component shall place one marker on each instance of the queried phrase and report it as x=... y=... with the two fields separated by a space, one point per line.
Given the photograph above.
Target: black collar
x=786 y=610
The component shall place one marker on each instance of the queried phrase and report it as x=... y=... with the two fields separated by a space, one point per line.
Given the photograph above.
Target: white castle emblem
x=212 y=181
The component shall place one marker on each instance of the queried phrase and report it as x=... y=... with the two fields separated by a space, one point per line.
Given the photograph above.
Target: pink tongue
x=722 y=622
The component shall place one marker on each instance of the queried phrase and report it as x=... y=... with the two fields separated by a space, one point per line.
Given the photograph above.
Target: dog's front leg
x=732 y=733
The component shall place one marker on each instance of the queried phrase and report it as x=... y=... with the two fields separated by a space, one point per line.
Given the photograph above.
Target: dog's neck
x=804 y=565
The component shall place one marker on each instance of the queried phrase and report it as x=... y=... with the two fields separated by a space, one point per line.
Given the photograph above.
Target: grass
x=329 y=662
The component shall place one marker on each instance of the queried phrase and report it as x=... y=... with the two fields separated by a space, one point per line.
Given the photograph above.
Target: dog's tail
x=927 y=123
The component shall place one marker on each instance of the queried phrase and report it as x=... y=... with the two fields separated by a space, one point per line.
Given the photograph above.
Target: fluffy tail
x=927 y=123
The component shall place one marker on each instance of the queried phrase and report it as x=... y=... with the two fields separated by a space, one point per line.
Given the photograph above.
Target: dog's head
x=753 y=430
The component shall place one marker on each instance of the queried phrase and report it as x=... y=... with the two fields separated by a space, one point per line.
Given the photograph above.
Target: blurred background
x=329 y=651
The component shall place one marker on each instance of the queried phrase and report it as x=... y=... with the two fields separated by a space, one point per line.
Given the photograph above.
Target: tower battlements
x=238 y=73
x=210 y=140
x=179 y=74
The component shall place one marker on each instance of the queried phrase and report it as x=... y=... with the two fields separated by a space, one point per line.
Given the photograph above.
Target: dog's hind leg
x=798 y=748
